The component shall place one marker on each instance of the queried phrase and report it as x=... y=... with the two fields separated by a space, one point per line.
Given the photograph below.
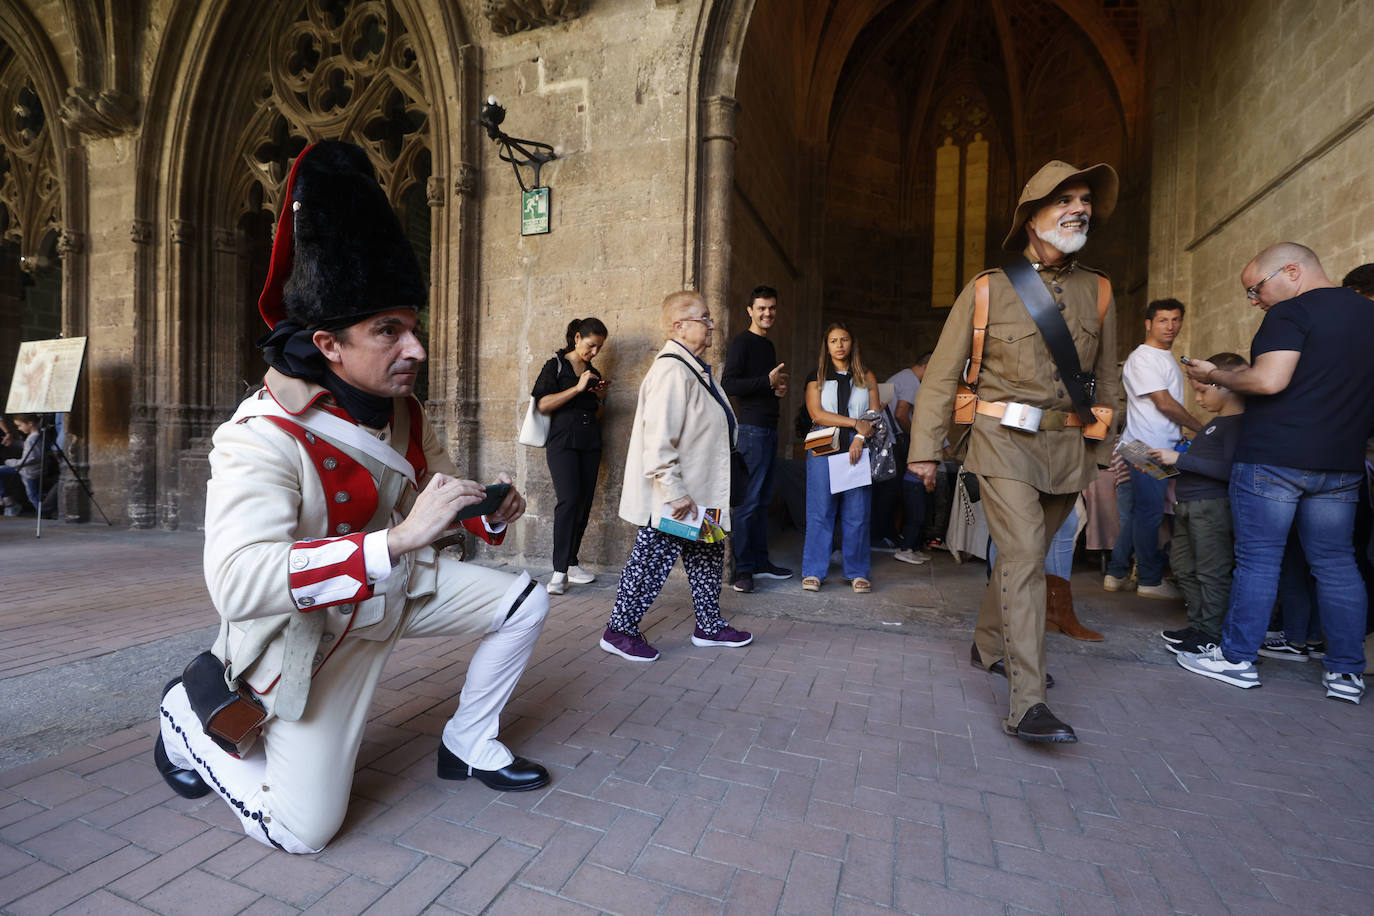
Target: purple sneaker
x=631 y=648
x=728 y=636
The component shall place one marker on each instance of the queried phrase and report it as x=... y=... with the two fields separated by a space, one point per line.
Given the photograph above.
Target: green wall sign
x=534 y=212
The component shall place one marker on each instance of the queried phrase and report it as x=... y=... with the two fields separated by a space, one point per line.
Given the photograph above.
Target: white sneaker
x=579 y=576
x=914 y=557
x=1164 y=590
x=1214 y=665
x=1114 y=584
x=1347 y=687
x=558 y=584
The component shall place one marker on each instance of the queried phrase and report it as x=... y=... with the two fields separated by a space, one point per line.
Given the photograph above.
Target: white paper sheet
x=846 y=476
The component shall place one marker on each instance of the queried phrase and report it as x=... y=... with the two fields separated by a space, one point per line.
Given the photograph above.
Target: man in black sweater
x=756 y=380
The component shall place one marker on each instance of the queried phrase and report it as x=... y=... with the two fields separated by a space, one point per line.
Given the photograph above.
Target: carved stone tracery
x=510 y=16
x=335 y=69
x=30 y=192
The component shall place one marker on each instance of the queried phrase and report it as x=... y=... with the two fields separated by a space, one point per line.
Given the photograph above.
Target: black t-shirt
x=574 y=425
x=748 y=360
x=1204 y=471
x=1322 y=419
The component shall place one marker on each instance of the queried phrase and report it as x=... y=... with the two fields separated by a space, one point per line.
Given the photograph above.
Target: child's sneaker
x=1282 y=648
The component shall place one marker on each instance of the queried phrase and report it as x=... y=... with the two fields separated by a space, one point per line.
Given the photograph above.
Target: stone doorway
x=879 y=148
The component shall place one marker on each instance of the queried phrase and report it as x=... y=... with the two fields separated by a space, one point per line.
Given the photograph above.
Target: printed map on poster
x=45 y=375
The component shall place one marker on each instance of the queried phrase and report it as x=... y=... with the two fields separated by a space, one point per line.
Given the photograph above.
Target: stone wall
x=1262 y=134
x=610 y=91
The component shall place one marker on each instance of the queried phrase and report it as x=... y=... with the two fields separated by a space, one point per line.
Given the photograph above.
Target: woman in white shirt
x=837 y=394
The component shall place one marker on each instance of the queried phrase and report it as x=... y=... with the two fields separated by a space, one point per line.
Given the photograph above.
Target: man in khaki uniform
x=1028 y=480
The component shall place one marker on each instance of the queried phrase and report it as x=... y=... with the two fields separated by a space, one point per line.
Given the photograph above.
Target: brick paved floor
x=828 y=767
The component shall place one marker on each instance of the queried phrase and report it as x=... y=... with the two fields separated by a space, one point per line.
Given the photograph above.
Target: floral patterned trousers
x=651 y=559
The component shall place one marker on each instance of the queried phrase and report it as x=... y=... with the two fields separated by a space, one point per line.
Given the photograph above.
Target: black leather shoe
x=520 y=775
x=186 y=783
x=998 y=667
x=1039 y=724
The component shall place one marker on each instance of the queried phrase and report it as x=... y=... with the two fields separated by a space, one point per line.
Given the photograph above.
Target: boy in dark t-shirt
x=1203 y=554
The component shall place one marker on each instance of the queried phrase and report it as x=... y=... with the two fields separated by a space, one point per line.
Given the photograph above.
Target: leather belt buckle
x=1022 y=417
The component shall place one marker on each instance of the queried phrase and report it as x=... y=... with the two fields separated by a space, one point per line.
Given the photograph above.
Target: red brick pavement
x=824 y=768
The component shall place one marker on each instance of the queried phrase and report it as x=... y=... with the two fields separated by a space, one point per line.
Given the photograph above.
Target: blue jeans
x=822 y=506
x=749 y=520
x=1266 y=499
x=1147 y=512
x=1059 y=558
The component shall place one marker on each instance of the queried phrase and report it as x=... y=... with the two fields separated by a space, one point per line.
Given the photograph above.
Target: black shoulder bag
x=1081 y=385
x=739 y=470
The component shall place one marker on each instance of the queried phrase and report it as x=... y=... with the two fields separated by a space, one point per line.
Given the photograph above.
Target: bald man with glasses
x=1300 y=462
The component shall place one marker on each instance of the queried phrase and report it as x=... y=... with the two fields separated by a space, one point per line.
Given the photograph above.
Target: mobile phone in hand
x=1185 y=360
x=496 y=493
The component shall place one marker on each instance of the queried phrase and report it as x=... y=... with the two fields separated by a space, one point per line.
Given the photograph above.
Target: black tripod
x=47 y=433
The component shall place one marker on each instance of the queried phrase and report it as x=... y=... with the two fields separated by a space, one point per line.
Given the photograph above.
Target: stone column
x=718 y=115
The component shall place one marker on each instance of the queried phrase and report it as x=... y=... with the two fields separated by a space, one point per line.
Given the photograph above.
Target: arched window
x=961 y=198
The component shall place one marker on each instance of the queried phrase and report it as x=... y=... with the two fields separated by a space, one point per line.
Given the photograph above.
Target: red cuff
x=328 y=571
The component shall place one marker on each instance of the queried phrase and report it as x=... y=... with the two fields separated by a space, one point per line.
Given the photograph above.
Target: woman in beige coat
x=678 y=467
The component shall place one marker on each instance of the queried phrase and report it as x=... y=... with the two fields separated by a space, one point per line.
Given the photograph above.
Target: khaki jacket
x=1017 y=366
x=679 y=444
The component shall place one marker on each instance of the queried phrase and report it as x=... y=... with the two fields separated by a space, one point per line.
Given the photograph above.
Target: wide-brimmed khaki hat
x=1101 y=178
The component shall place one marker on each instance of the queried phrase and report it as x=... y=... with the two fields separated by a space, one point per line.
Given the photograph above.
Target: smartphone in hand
x=1185 y=360
x=496 y=493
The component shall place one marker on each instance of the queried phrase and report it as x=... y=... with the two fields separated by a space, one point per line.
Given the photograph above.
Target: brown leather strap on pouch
x=964 y=396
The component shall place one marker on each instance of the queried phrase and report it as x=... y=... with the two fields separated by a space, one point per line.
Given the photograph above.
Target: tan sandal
x=862 y=585
x=811 y=584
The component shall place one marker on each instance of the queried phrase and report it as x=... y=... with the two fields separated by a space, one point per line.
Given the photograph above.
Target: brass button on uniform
x=343 y=528
x=330 y=464
x=306 y=601
x=341 y=497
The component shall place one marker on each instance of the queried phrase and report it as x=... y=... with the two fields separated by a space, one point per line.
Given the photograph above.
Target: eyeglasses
x=706 y=321
x=1252 y=292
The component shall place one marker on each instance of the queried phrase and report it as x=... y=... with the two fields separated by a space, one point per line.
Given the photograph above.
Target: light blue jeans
x=853 y=508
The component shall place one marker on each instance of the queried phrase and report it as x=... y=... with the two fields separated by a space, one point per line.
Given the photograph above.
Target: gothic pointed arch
x=360 y=70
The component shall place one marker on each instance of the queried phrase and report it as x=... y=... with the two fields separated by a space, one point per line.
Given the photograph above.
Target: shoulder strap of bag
x=980 y=331
x=1081 y=385
x=697 y=375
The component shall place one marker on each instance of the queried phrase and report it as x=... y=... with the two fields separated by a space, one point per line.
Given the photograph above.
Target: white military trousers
x=291 y=790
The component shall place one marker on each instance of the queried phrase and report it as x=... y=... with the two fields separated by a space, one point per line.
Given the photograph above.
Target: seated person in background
x=1202 y=554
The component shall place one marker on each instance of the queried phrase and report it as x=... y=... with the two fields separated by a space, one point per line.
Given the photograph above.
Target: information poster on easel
x=45 y=376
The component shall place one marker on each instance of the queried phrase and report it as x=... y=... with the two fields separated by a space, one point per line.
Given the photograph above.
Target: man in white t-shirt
x=1154 y=415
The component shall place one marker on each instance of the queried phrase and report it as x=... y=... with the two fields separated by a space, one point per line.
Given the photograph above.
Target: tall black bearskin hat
x=339 y=254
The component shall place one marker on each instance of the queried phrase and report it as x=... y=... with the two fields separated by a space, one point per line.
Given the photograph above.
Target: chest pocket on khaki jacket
x=1011 y=351
x=1087 y=338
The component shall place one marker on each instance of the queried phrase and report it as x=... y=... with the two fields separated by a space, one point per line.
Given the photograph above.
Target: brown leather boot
x=1059 y=615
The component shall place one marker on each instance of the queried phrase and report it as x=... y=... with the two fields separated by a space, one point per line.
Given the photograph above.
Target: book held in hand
x=823 y=441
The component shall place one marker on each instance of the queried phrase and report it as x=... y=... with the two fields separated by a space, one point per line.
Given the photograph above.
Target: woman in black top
x=571 y=391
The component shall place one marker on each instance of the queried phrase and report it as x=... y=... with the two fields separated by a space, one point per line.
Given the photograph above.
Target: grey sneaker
x=557 y=584
x=1214 y=665
x=631 y=648
x=1117 y=583
x=579 y=576
x=914 y=557
x=1347 y=687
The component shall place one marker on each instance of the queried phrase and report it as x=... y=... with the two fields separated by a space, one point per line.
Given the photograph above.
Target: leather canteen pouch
x=1104 y=423
x=965 y=402
x=227 y=716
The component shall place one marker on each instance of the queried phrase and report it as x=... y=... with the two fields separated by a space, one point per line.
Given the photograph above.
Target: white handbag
x=535 y=430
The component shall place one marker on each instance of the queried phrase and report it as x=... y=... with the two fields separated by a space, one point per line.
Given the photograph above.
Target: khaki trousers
x=1011 y=622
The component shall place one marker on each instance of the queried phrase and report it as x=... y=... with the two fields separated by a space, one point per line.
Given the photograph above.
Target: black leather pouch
x=227 y=716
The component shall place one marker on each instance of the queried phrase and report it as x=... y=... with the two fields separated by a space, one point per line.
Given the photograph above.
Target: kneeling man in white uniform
x=328 y=488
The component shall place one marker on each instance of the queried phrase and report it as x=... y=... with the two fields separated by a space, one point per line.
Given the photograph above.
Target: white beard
x=1065 y=241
